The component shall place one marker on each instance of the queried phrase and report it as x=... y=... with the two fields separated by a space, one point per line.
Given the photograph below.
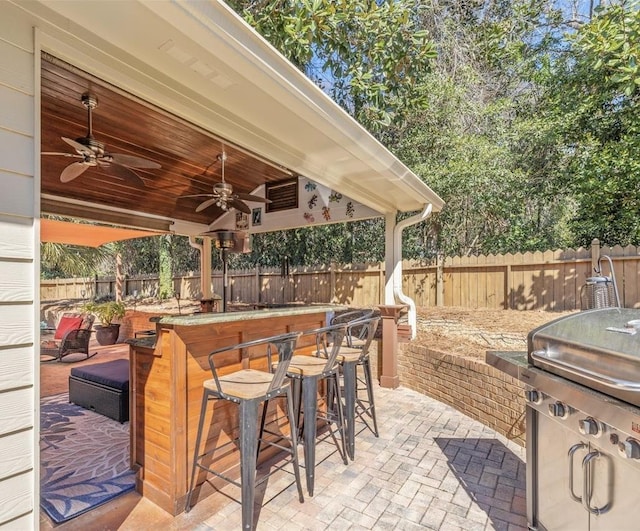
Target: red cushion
x=66 y=324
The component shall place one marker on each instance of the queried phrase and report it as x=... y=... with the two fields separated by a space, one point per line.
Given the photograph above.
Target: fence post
x=439 y=280
x=258 y=286
x=508 y=295
x=332 y=282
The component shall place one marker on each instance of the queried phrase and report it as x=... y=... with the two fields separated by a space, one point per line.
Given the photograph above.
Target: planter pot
x=107 y=335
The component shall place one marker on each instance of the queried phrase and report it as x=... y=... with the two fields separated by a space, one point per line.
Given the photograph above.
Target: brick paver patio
x=431 y=468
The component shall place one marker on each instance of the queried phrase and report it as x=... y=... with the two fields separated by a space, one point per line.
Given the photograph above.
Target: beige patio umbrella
x=86 y=235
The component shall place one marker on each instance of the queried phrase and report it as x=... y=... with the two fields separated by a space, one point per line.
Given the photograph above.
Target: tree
x=481 y=144
x=595 y=99
x=61 y=260
x=370 y=57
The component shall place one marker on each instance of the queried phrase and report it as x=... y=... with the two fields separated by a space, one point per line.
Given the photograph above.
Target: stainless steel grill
x=582 y=381
x=583 y=421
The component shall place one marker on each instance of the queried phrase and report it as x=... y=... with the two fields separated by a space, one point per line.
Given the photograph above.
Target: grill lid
x=597 y=348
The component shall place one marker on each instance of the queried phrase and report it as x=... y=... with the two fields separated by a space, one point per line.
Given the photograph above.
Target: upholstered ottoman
x=103 y=388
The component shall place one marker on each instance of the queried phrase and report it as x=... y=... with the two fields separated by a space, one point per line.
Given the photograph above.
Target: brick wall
x=467 y=384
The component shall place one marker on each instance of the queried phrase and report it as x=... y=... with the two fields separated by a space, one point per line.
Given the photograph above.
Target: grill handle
x=595 y=377
x=571 y=453
x=587 y=488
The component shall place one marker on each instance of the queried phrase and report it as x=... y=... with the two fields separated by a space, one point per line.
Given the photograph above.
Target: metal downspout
x=397 y=269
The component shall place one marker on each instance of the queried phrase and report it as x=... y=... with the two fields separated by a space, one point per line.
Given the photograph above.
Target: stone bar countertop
x=197 y=319
x=509 y=362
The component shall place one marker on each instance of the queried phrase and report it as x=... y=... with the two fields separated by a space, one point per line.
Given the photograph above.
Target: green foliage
x=610 y=47
x=357 y=241
x=166 y=267
x=371 y=57
x=594 y=98
x=106 y=312
x=60 y=260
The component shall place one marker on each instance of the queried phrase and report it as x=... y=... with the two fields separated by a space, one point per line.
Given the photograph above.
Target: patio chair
x=71 y=336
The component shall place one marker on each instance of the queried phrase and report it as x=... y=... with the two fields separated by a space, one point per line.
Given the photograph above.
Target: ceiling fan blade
x=132 y=161
x=72 y=171
x=80 y=148
x=73 y=155
x=239 y=205
x=206 y=204
x=197 y=195
x=254 y=198
x=125 y=173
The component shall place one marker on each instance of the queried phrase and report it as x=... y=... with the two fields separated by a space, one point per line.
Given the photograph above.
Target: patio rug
x=84 y=458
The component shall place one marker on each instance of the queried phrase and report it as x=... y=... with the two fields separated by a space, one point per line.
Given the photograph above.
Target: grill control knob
x=558 y=409
x=533 y=396
x=630 y=449
x=589 y=426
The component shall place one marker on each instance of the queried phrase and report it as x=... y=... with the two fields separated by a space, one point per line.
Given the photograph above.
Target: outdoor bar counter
x=167 y=373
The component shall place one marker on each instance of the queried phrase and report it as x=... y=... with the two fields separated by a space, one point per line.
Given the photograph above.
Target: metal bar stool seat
x=249 y=388
x=306 y=372
x=350 y=359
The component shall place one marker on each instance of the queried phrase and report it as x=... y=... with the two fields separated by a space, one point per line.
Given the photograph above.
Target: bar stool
x=360 y=333
x=306 y=371
x=352 y=338
x=248 y=388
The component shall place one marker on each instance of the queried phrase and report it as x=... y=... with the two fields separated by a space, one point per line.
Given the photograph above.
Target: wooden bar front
x=167 y=373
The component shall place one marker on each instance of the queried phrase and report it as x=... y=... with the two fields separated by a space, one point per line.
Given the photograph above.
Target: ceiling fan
x=92 y=152
x=224 y=197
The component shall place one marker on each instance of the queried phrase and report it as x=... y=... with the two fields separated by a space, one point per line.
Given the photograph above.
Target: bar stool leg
x=369 y=382
x=294 y=444
x=335 y=384
x=296 y=390
x=310 y=408
x=350 y=386
x=194 y=467
x=248 y=417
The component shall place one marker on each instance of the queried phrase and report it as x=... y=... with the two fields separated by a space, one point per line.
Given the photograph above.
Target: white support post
x=390 y=260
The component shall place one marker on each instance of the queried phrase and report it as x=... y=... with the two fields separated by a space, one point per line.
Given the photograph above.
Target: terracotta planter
x=107 y=335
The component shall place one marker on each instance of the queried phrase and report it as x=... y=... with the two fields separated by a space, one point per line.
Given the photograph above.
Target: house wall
x=18 y=265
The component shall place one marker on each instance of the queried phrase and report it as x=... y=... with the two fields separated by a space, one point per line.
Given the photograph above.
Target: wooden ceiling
x=125 y=125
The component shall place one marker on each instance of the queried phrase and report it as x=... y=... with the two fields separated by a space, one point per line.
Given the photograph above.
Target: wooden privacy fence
x=550 y=280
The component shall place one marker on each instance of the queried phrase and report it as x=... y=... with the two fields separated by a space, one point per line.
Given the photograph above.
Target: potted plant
x=107 y=331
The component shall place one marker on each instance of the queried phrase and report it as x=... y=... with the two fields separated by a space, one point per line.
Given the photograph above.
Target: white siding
x=16 y=448
x=16 y=114
x=17 y=190
x=16 y=282
x=16 y=237
x=16 y=497
x=18 y=367
x=16 y=370
x=16 y=152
